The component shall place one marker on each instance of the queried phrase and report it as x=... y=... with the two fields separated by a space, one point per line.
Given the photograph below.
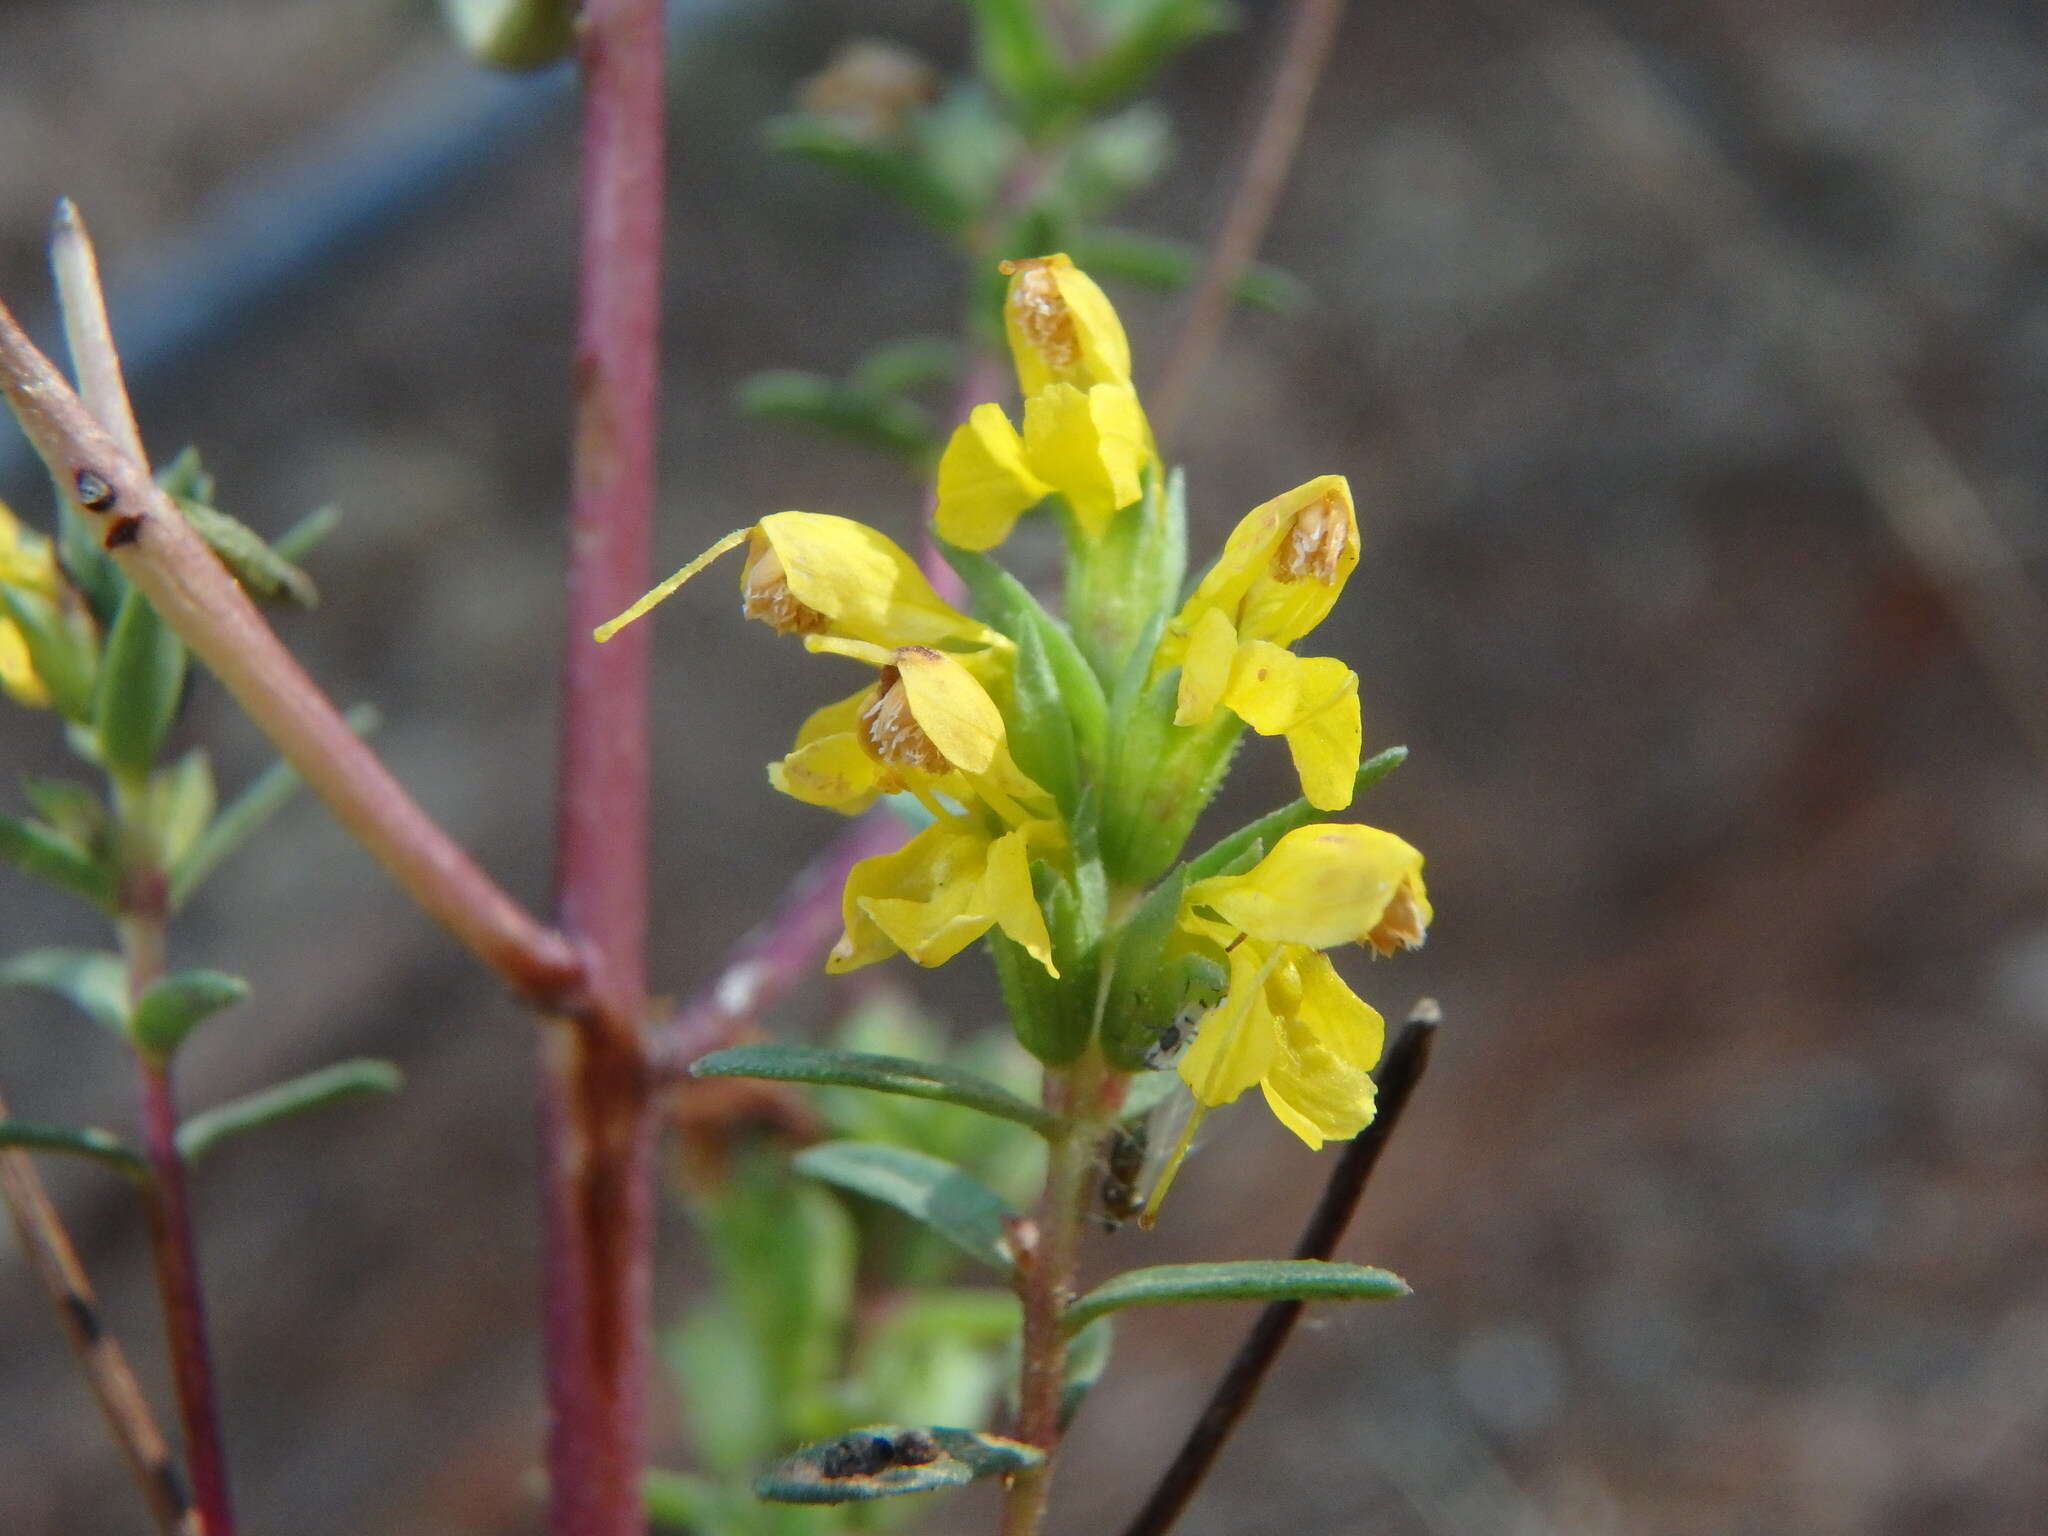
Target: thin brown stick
x=1647 y=140
x=1311 y=32
x=597 y=1115
x=201 y=602
x=56 y=1264
x=87 y=332
x=1398 y=1077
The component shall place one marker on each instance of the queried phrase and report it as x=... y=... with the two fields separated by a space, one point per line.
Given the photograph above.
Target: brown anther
x=94 y=494
x=765 y=595
x=1315 y=543
x=891 y=733
x=1400 y=926
x=1041 y=314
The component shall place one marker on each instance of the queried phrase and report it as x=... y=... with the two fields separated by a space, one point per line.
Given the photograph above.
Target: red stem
x=184 y=1304
x=595 y=1103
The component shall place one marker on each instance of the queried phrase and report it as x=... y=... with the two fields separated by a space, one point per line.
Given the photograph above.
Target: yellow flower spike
x=1092 y=446
x=1281 y=570
x=937 y=894
x=810 y=573
x=1325 y=884
x=984 y=483
x=28 y=564
x=1061 y=327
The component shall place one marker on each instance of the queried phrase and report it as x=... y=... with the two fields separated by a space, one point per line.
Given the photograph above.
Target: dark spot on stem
x=85 y=1320
x=125 y=530
x=858 y=1454
x=94 y=494
x=172 y=1482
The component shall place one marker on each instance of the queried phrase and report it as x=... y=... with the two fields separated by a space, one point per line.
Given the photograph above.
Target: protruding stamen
x=1041 y=313
x=1166 y=1175
x=1315 y=544
x=890 y=732
x=611 y=627
x=766 y=596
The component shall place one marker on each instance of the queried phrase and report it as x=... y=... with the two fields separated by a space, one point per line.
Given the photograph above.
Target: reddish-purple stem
x=184 y=1304
x=597 y=1126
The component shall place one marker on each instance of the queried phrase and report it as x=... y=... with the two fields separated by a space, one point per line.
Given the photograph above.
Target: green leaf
x=141 y=678
x=181 y=803
x=1007 y=603
x=47 y=854
x=1012 y=50
x=1236 y=1280
x=885 y=422
x=886 y=1459
x=898 y=367
x=78 y=1141
x=1167 y=266
x=682 y=1500
x=960 y=1208
x=307 y=534
x=1087 y=1359
x=172 y=1006
x=186 y=476
x=94 y=980
x=890 y=170
x=1273 y=826
x=513 y=34
x=62 y=648
x=1053 y=1018
x=246 y=815
x=880 y=1074
x=73 y=810
x=337 y=1084
x=1113 y=159
x=263 y=573
x=1152 y=32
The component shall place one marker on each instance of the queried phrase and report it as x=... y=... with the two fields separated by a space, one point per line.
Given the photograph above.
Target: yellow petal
x=1349 y=1027
x=1007 y=896
x=1321 y=885
x=835 y=772
x=1205 y=669
x=1312 y=701
x=1091 y=447
x=27 y=560
x=17 y=673
x=984 y=483
x=1314 y=1092
x=1281 y=569
x=863 y=583
x=1234 y=1043
x=1061 y=327
x=952 y=708
x=936 y=895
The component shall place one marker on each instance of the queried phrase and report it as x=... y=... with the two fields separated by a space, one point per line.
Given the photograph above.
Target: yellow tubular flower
x=809 y=573
x=984 y=483
x=1278 y=577
x=1287 y=1022
x=28 y=565
x=1061 y=328
x=940 y=892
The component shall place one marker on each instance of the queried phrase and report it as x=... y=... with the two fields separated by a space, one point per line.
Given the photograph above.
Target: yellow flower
x=1278 y=577
x=27 y=565
x=809 y=573
x=940 y=892
x=1061 y=327
x=926 y=727
x=1287 y=1021
x=984 y=483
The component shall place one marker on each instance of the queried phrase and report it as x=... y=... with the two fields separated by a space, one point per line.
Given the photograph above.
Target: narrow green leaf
x=337 y=1084
x=47 y=854
x=898 y=367
x=185 y=476
x=94 y=980
x=78 y=1141
x=884 y=167
x=1270 y=828
x=886 y=1459
x=173 y=1006
x=72 y=810
x=141 y=677
x=881 y=1074
x=1153 y=33
x=1237 y=1280
x=885 y=422
x=264 y=574
x=1012 y=50
x=307 y=534
x=62 y=648
x=957 y=1206
x=246 y=815
x=1087 y=1359
x=181 y=803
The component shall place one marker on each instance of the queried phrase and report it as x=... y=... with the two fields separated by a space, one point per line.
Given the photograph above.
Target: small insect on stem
x=1122 y=1193
x=94 y=494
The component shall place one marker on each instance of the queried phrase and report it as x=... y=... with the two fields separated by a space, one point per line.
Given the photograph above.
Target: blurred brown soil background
x=1727 y=1203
